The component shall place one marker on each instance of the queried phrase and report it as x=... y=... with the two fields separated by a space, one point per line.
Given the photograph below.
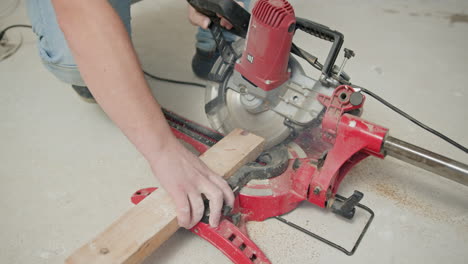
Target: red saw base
x=319 y=159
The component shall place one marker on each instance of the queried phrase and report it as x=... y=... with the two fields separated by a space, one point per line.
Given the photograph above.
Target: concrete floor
x=67 y=172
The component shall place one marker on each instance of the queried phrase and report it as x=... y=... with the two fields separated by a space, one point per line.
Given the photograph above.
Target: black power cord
x=412 y=119
x=2 y=33
x=173 y=81
x=314 y=62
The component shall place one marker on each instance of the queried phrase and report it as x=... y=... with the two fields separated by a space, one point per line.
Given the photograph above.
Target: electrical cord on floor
x=173 y=81
x=2 y=33
x=412 y=119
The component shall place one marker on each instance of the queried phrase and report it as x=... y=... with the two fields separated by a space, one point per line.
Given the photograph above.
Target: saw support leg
x=227 y=237
x=230 y=240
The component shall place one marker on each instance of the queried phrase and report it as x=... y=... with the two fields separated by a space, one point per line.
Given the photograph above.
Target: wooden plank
x=142 y=229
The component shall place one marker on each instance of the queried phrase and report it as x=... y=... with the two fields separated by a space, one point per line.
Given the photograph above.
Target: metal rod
x=328 y=242
x=425 y=159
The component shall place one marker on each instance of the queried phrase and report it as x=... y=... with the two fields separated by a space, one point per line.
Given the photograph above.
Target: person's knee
x=58 y=59
x=66 y=73
x=53 y=48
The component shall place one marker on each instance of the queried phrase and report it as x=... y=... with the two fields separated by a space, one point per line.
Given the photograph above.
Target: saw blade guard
x=276 y=115
x=258 y=85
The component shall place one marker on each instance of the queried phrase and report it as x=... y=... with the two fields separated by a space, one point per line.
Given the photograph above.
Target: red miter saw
x=313 y=128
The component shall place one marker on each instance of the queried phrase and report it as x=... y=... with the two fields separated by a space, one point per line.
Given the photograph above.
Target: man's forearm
x=110 y=67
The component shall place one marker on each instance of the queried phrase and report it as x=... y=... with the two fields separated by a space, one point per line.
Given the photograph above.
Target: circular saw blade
x=230 y=113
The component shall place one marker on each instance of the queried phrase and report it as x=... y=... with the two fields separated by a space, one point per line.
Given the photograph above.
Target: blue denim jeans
x=53 y=48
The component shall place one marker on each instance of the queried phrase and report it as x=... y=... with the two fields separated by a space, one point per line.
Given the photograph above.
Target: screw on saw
x=348 y=55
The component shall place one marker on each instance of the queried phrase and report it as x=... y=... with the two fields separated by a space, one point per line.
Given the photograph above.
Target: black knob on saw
x=349 y=53
x=356 y=98
x=347 y=209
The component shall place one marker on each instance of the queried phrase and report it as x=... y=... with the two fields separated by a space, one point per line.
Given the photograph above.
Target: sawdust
x=368 y=178
x=389 y=192
x=402 y=199
x=286 y=244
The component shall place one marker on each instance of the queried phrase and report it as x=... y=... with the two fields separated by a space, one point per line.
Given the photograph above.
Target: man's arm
x=110 y=68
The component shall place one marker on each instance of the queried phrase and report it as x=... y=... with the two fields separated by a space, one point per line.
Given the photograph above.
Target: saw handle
x=229 y=9
x=325 y=33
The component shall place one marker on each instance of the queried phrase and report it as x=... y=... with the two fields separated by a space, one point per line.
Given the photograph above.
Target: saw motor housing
x=267 y=92
x=264 y=62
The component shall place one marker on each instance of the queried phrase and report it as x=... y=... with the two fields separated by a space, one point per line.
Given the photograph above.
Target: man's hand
x=185 y=177
x=198 y=19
